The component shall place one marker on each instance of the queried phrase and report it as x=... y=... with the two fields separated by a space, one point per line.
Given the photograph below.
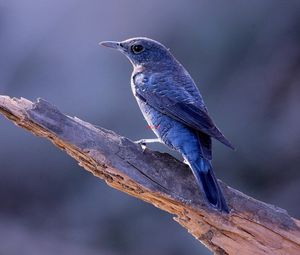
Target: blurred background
x=244 y=57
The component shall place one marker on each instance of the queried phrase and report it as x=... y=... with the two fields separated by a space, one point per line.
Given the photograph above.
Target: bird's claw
x=185 y=162
x=142 y=143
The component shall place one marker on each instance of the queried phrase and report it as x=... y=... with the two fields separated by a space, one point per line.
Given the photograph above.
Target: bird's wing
x=205 y=145
x=180 y=99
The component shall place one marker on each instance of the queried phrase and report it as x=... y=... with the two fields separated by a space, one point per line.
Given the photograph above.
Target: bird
x=175 y=110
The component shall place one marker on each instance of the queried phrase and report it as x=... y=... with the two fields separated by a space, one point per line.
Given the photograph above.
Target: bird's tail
x=205 y=176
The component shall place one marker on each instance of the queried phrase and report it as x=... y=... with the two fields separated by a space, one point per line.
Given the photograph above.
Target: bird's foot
x=143 y=142
x=185 y=161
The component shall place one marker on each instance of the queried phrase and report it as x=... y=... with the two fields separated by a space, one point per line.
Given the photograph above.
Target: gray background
x=245 y=58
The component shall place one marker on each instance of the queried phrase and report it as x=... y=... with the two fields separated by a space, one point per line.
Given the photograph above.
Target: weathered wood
x=253 y=227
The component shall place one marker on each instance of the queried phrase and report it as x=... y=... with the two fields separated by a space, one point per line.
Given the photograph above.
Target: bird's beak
x=111 y=44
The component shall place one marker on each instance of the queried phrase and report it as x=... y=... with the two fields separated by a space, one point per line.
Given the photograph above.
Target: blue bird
x=173 y=106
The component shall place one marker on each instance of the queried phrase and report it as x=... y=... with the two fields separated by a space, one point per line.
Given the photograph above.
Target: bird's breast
x=139 y=80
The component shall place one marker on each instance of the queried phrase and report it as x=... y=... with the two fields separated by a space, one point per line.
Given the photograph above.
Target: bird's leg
x=143 y=142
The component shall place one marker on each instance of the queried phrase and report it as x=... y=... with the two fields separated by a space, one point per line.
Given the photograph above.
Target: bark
x=252 y=227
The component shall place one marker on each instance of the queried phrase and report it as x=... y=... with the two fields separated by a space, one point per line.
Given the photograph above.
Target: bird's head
x=142 y=51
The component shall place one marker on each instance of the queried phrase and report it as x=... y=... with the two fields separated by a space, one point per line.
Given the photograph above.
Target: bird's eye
x=137 y=48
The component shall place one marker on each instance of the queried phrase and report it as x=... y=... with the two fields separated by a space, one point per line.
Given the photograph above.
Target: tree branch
x=253 y=227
